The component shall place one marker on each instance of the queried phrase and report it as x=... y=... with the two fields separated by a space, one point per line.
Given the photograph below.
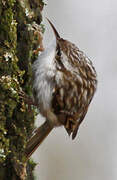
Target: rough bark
x=19 y=19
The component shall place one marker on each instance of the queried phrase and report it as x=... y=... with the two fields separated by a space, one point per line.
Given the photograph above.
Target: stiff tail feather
x=41 y=133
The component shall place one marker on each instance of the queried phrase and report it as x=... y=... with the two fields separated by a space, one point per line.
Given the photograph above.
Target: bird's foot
x=27 y=99
x=38 y=34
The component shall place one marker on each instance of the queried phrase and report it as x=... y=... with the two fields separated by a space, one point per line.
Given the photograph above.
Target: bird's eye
x=59 y=51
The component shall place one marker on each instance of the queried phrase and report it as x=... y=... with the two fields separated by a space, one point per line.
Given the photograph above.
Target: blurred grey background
x=92 y=26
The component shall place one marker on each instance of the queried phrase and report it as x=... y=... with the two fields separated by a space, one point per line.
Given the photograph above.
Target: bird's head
x=65 y=46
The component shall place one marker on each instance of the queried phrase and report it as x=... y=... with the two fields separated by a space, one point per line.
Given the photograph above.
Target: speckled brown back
x=75 y=85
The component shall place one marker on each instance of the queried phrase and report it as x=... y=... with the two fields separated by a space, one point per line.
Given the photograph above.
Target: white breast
x=44 y=72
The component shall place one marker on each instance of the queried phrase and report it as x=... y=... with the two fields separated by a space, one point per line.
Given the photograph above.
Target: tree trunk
x=19 y=20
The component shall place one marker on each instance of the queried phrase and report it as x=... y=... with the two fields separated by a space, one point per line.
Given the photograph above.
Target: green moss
x=17 y=42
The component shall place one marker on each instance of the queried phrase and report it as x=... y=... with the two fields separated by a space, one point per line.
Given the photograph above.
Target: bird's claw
x=28 y=100
x=38 y=34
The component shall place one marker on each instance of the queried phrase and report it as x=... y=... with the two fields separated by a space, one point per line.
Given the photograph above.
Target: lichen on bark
x=19 y=19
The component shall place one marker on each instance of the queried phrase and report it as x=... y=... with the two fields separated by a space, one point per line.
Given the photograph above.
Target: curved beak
x=54 y=29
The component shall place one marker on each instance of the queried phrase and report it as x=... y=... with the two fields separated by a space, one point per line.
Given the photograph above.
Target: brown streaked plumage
x=64 y=86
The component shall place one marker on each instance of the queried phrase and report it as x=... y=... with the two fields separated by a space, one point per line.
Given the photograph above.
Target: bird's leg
x=39 y=36
x=27 y=99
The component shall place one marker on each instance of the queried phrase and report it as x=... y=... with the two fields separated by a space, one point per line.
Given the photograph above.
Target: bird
x=64 y=83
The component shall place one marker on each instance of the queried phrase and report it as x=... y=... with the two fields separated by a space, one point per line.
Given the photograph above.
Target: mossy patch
x=17 y=42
